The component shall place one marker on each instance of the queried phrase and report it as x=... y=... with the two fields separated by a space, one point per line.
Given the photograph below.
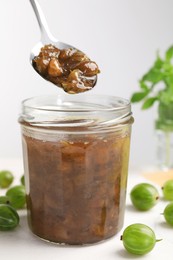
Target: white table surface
x=22 y=244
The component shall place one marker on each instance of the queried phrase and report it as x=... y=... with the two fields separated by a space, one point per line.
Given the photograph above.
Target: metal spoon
x=46 y=36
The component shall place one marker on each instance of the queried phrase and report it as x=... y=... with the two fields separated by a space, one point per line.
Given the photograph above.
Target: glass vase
x=164 y=135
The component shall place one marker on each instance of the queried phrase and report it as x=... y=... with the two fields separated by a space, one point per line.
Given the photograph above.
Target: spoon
x=47 y=37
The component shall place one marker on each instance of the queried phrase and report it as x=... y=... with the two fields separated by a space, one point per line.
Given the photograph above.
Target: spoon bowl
x=47 y=38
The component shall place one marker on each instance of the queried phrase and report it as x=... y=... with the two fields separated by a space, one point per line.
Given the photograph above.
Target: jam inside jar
x=76 y=153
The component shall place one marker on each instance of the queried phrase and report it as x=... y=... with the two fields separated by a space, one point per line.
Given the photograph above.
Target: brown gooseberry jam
x=75 y=171
x=69 y=68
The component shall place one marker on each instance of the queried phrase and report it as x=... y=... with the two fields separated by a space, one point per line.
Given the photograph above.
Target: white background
x=122 y=36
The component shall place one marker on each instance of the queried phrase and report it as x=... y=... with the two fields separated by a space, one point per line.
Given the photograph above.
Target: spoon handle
x=46 y=36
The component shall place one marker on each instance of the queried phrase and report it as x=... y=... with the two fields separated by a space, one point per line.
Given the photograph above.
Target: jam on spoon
x=68 y=68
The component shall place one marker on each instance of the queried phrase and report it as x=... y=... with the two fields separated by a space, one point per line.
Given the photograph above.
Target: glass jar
x=164 y=149
x=164 y=136
x=76 y=153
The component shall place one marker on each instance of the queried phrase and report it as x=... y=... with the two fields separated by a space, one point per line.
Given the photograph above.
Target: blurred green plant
x=161 y=71
x=151 y=91
x=156 y=86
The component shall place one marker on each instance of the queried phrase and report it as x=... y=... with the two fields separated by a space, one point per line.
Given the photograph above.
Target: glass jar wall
x=76 y=153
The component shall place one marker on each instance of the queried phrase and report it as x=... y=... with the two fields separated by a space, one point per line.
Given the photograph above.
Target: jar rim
x=116 y=103
x=70 y=110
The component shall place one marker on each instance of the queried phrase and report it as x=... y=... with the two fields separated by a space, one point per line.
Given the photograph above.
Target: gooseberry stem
x=158 y=240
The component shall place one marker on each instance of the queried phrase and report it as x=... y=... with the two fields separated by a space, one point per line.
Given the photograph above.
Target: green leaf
x=153 y=75
x=169 y=53
x=138 y=96
x=169 y=81
x=149 y=102
x=143 y=85
x=168 y=68
x=158 y=63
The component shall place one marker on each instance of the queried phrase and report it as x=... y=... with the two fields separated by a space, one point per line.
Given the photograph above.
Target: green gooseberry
x=6 y=178
x=4 y=200
x=22 y=180
x=144 y=196
x=168 y=213
x=138 y=239
x=9 y=218
x=168 y=190
x=17 y=196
